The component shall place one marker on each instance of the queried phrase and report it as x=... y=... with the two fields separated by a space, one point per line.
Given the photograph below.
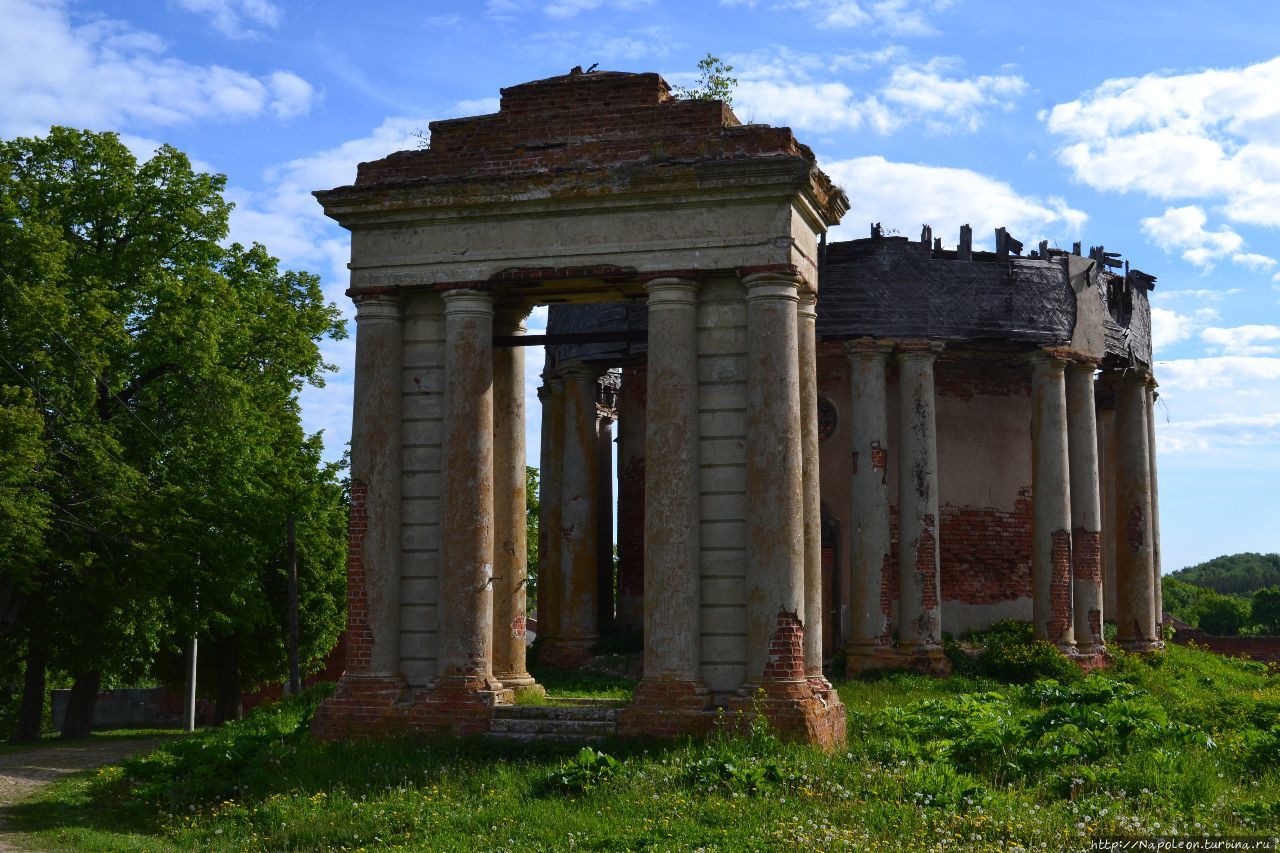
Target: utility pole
x=189 y=703
x=291 y=537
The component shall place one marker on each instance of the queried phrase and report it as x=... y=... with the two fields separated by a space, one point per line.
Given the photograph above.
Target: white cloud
x=1243 y=340
x=945 y=103
x=1169 y=327
x=1222 y=411
x=1253 y=261
x=1211 y=134
x=566 y=46
x=1183 y=228
x=46 y=59
x=798 y=90
x=895 y=17
x=569 y=8
x=1202 y=294
x=235 y=18
x=906 y=195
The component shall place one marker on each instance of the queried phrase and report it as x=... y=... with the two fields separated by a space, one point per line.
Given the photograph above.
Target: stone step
x=587 y=701
x=556 y=712
x=544 y=726
x=543 y=737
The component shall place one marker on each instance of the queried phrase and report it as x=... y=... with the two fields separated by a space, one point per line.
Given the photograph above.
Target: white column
x=672 y=578
x=775 y=479
x=376 y=438
x=549 y=539
x=578 y=517
x=466 y=558
x=1086 y=508
x=806 y=328
x=1052 y=615
x=1135 y=564
x=920 y=607
x=509 y=508
x=1157 y=577
x=870 y=629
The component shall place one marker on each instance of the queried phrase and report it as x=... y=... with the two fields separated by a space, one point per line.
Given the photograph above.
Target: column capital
x=580 y=371
x=772 y=285
x=1049 y=360
x=672 y=290
x=509 y=317
x=1082 y=367
x=378 y=306
x=466 y=301
x=808 y=303
x=1129 y=376
x=918 y=350
x=868 y=349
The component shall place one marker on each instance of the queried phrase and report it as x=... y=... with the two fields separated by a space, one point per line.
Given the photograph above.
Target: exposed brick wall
x=986 y=553
x=1264 y=649
x=359 y=639
x=1060 y=586
x=582 y=122
x=1086 y=568
x=786 y=649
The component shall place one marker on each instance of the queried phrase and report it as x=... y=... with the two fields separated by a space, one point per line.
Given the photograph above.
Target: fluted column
x=509 y=507
x=1086 y=509
x=1135 y=563
x=920 y=606
x=870 y=629
x=551 y=394
x=775 y=481
x=373 y=642
x=466 y=554
x=807 y=335
x=578 y=521
x=1157 y=577
x=1051 y=607
x=672 y=641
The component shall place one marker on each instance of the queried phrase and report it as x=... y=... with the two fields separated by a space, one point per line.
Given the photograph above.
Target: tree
x=1235 y=574
x=531 y=511
x=1266 y=609
x=1224 y=616
x=165 y=367
x=713 y=83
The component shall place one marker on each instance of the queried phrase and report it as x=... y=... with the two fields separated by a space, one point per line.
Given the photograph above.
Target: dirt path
x=25 y=771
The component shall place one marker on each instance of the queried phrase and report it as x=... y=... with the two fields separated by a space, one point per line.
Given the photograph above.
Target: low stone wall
x=1263 y=649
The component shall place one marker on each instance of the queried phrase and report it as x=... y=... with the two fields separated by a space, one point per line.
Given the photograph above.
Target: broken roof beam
x=964 y=251
x=1006 y=244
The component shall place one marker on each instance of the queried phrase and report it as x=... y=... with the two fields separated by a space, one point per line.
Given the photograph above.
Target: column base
x=667 y=707
x=567 y=652
x=457 y=705
x=926 y=660
x=1093 y=659
x=864 y=659
x=808 y=711
x=521 y=684
x=1140 y=647
x=362 y=706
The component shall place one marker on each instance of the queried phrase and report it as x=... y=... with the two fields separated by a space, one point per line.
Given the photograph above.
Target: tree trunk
x=226 y=654
x=78 y=722
x=31 y=713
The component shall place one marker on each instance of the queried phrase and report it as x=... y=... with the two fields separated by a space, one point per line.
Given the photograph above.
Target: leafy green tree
x=1224 y=616
x=713 y=83
x=532 y=505
x=165 y=367
x=1234 y=574
x=1266 y=609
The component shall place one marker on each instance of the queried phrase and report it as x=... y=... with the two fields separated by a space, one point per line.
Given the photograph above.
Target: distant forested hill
x=1234 y=574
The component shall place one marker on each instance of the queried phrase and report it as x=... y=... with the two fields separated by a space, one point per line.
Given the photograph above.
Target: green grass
x=1188 y=743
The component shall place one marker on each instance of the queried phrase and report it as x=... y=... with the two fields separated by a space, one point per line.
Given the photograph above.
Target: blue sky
x=1151 y=128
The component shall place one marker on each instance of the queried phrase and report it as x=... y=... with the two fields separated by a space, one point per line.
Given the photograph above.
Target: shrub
x=585 y=771
x=1021 y=661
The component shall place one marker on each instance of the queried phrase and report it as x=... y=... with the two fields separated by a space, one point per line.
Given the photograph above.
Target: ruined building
x=821 y=447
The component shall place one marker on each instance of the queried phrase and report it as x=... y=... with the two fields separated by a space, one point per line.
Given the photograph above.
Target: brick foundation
x=362 y=706
x=667 y=708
